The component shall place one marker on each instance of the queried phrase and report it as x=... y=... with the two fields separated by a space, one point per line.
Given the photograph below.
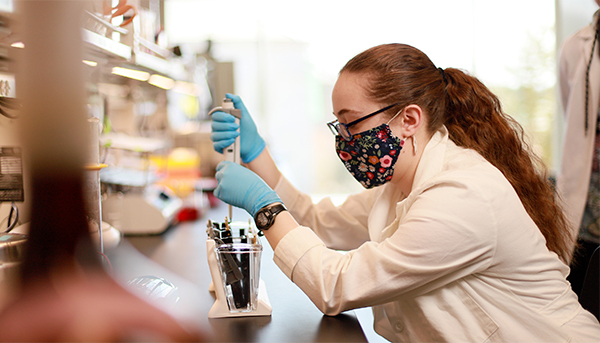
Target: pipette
x=232 y=152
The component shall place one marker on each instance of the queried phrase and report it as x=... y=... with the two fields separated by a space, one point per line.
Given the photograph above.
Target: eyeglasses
x=343 y=130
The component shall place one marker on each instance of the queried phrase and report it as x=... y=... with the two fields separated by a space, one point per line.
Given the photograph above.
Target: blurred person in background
x=578 y=181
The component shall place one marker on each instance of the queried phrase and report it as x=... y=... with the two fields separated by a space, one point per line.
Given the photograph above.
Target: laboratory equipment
x=232 y=152
x=109 y=238
x=12 y=253
x=146 y=211
x=12 y=247
x=234 y=255
x=158 y=290
x=132 y=202
x=91 y=188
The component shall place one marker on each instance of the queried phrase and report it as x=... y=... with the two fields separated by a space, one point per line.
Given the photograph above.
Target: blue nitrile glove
x=241 y=187
x=224 y=132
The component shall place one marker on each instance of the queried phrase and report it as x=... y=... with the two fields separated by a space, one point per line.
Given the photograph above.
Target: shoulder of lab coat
x=444 y=230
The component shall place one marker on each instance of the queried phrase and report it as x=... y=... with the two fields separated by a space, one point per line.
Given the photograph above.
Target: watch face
x=262 y=220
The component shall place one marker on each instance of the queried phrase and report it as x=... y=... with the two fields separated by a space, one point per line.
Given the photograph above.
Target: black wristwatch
x=265 y=217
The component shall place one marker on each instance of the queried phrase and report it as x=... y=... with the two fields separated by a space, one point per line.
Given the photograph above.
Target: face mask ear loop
x=414 y=140
x=394 y=117
x=403 y=140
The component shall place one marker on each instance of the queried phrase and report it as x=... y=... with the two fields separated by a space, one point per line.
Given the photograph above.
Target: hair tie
x=443 y=73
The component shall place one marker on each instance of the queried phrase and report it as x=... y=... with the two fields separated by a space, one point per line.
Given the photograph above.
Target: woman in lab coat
x=578 y=181
x=462 y=240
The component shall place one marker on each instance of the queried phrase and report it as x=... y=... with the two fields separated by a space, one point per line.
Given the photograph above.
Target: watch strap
x=276 y=209
x=270 y=212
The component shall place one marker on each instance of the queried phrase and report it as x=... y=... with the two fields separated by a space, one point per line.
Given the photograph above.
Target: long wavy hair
x=399 y=73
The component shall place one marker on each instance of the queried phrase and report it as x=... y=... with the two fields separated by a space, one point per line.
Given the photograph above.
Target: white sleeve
x=447 y=233
x=341 y=227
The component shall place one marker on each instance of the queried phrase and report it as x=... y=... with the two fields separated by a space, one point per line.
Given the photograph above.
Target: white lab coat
x=573 y=179
x=458 y=260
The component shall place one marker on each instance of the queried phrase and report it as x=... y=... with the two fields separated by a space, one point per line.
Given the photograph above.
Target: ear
x=411 y=120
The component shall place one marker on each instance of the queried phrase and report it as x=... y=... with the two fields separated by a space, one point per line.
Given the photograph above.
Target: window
x=287 y=56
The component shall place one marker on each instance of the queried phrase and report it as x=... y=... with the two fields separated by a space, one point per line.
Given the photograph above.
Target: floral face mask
x=371 y=155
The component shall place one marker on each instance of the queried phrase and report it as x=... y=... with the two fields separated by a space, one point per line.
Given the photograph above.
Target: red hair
x=399 y=73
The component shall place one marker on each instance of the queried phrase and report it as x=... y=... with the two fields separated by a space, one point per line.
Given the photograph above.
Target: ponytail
x=399 y=73
x=475 y=120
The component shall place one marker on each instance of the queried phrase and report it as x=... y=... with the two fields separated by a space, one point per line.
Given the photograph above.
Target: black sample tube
x=243 y=237
x=246 y=285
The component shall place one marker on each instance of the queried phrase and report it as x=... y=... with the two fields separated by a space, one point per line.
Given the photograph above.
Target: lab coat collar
x=390 y=198
x=432 y=160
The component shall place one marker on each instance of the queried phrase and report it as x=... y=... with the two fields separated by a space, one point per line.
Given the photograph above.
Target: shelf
x=159 y=65
x=133 y=143
x=153 y=63
x=111 y=49
x=106 y=45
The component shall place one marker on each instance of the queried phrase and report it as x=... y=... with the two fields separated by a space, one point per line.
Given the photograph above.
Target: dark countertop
x=179 y=255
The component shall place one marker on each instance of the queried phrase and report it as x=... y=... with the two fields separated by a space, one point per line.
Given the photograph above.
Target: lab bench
x=179 y=256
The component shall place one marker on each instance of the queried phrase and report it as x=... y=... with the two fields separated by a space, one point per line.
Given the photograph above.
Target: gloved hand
x=224 y=132
x=241 y=187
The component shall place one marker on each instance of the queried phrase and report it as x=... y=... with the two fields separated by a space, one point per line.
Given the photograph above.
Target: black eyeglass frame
x=343 y=130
